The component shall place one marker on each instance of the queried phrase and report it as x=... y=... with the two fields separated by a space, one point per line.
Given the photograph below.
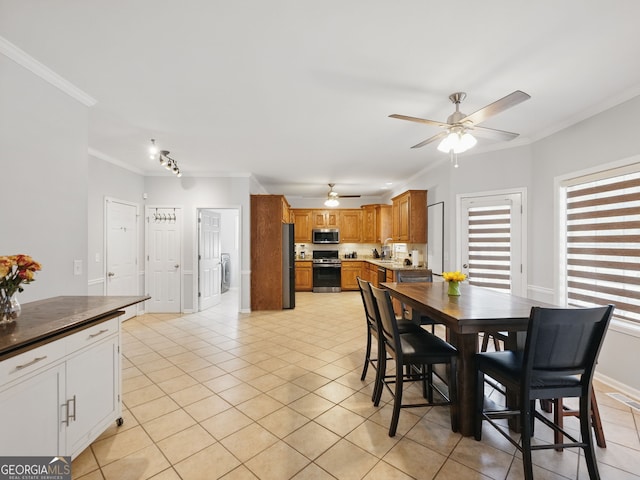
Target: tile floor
x=277 y=395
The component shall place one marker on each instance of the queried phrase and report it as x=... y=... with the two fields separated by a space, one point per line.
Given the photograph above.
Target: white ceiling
x=298 y=93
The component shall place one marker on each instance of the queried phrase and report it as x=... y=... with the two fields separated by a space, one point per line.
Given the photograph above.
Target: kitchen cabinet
x=350 y=225
x=349 y=276
x=376 y=223
x=266 y=252
x=286 y=210
x=59 y=397
x=326 y=218
x=409 y=217
x=304 y=276
x=301 y=219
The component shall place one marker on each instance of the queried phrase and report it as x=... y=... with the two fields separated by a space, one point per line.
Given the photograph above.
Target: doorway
x=218 y=239
x=121 y=250
x=491 y=240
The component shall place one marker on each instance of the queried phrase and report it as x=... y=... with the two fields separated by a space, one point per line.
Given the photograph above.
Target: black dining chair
x=418 y=352
x=415 y=276
x=372 y=328
x=558 y=361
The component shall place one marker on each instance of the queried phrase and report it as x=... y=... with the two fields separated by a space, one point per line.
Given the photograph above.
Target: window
x=602 y=241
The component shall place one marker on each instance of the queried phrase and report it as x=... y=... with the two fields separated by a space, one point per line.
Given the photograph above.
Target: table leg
x=467 y=346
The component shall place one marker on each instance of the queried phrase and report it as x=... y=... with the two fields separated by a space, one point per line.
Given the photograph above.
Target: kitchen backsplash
x=400 y=251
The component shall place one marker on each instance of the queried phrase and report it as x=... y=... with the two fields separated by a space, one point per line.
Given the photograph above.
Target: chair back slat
x=368 y=301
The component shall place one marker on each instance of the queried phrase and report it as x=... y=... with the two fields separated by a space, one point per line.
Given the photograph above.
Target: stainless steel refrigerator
x=288 y=267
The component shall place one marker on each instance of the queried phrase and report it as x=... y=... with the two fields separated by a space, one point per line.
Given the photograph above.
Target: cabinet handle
x=99 y=333
x=35 y=360
x=73 y=415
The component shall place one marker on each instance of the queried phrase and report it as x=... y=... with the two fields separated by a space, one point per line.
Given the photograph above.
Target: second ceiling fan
x=456 y=136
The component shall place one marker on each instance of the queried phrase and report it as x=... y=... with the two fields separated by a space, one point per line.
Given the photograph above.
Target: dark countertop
x=45 y=320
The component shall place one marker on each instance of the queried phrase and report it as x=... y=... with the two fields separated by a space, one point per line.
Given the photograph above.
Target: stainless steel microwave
x=326 y=235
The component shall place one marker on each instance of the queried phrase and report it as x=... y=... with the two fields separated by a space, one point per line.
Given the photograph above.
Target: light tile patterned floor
x=277 y=395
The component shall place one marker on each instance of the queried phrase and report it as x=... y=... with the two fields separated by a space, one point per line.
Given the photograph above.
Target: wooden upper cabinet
x=326 y=218
x=350 y=225
x=301 y=219
x=409 y=217
x=376 y=223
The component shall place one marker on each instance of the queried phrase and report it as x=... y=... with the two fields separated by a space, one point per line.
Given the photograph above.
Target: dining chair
x=417 y=351
x=372 y=328
x=558 y=361
x=556 y=405
x=414 y=276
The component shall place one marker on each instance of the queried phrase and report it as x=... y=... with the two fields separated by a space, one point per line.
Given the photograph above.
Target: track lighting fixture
x=165 y=160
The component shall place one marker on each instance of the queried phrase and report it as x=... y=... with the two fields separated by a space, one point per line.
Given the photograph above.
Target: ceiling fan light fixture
x=331 y=201
x=457 y=142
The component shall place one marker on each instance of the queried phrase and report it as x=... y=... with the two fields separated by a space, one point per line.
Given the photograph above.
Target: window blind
x=603 y=244
x=490 y=246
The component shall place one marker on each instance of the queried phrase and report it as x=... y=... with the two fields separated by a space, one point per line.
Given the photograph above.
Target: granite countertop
x=45 y=320
x=389 y=265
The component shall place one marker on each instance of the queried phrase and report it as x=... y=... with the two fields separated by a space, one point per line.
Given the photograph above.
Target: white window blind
x=603 y=244
x=490 y=246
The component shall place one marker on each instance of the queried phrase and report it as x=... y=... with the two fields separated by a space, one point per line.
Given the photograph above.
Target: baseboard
x=620 y=387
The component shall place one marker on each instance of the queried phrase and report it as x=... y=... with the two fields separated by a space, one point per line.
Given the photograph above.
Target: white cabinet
x=58 y=398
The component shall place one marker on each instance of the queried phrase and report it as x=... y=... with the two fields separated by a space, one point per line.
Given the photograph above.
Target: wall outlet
x=77 y=267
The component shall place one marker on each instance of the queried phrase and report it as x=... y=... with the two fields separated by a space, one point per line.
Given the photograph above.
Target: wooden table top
x=477 y=309
x=45 y=320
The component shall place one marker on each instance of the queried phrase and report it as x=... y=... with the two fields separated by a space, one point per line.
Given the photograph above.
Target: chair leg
x=585 y=431
x=485 y=342
x=596 y=421
x=397 y=401
x=527 y=433
x=380 y=373
x=453 y=395
x=367 y=355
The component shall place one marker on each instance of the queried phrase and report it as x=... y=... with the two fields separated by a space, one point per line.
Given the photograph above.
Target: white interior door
x=491 y=241
x=121 y=247
x=164 y=270
x=209 y=272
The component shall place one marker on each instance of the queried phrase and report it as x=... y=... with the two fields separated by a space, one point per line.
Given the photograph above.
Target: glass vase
x=454 y=289
x=9 y=310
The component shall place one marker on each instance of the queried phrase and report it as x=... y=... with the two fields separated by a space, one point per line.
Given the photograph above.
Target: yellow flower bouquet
x=454 y=279
x=14 y=271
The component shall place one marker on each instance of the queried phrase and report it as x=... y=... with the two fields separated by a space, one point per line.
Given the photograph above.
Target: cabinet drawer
x=30 y=361
x=93 y=334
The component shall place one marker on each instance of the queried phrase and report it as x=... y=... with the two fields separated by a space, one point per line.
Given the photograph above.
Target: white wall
x=192 y=193
x=43 y=158
x=108 y=180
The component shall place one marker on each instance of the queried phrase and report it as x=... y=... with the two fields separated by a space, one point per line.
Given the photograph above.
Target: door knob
x=176 y=266
x=466 y=265
x=111 y=274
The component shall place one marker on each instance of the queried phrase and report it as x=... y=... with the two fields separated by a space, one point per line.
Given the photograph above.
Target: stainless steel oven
x=327 y=271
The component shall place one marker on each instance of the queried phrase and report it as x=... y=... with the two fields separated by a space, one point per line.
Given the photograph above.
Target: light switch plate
x=77 y=267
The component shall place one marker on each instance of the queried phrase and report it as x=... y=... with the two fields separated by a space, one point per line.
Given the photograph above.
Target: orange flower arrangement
x=14 y=271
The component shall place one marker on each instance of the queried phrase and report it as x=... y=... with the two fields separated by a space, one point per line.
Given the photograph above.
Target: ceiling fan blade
x=496 y=107
x=419 y=120
x=431 y=139
x=348 y=196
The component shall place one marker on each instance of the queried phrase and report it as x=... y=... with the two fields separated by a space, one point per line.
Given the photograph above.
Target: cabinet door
x=30 y=415
x=326 y=218
x=349 y=275
x=369 y=224
x=92 y=390
x=302 y=225
x=350 y=226
x=304 y=277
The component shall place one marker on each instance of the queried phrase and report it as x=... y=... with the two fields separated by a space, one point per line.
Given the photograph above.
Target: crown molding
x=25 y=60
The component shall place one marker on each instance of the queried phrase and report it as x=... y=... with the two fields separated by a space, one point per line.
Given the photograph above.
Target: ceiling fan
x=456 y=136
x=333 y=196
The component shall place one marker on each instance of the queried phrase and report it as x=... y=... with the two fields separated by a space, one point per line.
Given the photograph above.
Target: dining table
x=476 y=310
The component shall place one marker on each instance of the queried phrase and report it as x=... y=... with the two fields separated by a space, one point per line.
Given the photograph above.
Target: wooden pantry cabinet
x=409 y=217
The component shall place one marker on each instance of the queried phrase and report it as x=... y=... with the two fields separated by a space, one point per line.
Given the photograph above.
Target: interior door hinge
x=199 y=294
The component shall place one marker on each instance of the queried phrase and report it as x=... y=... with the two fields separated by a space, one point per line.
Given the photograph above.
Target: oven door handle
x=326 y=265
